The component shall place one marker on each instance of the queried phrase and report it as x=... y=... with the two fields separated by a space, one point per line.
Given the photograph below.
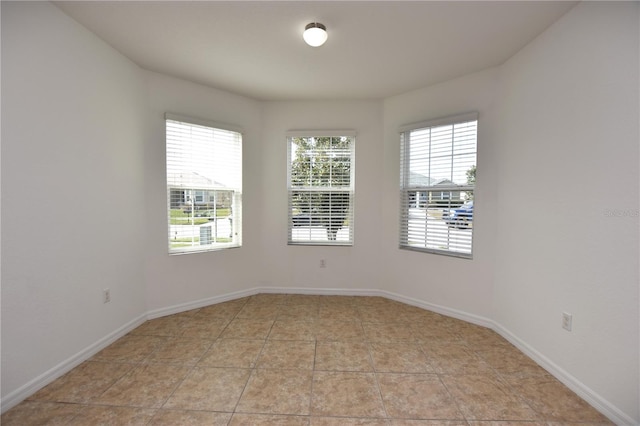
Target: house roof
x=192 y=180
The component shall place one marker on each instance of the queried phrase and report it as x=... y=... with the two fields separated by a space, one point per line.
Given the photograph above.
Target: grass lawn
x=178 y=217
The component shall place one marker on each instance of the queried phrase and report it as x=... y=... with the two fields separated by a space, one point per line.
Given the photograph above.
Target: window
x=204 y=186
x=321 y=188
x=438 y=174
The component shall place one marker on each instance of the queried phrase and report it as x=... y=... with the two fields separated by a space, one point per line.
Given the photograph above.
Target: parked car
x=462 y=217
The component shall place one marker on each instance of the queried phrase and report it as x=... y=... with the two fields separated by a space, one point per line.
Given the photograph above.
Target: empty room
x=320 y=213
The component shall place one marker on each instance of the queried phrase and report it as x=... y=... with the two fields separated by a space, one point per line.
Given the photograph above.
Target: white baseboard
x=182 y=307
x=602 y=405
x=599 y=403
x=23 y=392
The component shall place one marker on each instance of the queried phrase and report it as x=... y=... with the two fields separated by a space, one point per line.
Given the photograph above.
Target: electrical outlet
x=106 y=295
x=567 y=320
x=323 y=263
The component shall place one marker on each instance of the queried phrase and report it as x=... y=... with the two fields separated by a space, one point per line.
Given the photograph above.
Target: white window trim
x=322 y=133
x=405 y=188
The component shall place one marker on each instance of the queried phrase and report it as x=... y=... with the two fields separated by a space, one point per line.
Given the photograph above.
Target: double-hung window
x=204 y=186
x=438 y=174
x=321 y=187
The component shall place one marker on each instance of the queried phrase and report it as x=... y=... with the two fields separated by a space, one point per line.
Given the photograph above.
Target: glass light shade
x=315 y=34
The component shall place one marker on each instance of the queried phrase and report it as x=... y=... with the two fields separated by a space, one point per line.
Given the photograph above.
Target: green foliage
x=471 y=175
x=471 y=180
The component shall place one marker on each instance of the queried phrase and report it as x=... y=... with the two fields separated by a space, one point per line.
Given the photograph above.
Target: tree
x=320 y=180
x=471 y=180
x=471 y=175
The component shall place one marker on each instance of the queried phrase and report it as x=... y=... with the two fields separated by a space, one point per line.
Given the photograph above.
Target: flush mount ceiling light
x=315 y=34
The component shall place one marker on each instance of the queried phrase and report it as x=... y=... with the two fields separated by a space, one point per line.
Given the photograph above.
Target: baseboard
x=23 y=392
x=602 y=405
x=182 y=307
x=583 y=391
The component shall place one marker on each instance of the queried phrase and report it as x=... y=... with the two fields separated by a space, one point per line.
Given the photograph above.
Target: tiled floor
x=307 y=360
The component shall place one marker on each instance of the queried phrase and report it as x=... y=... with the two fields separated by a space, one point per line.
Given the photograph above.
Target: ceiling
x=375 y=49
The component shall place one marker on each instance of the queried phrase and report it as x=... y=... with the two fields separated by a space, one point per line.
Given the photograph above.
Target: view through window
x=204 y=186
x=438 y=175
x=321 y=188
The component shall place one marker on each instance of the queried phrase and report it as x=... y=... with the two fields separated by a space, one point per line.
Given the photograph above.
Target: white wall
x=455 y=283
x=179 y=279
x=354 y=267
x=564 y=111
x=567 y=153
x=72 y=190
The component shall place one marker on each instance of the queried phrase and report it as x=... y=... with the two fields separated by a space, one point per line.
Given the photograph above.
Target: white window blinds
x=204 y=186
x=321 y=188
x=438 y=166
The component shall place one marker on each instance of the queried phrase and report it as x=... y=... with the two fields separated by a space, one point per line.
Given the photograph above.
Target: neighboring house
x=190 y=188
x=432 y=197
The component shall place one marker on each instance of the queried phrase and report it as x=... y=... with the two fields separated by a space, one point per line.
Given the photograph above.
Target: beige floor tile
x=514 y=423
x=346 y=421
x=335 y=300
x=180 y=350
x=508 y=360
x=554 y=401
x=308 y=360
x=299 y=312
x=40 y=413
x=333 y=330
x=485 y=397
x=303 y=299
x=277 y=392
x=130 y=348
x=283 y=354
x=145 y=386
x=399 y=358
x=165 y=326
x=455 y=358
x=288 y=329
x=189 y=418
x=244 y=328
x=407 y=422
x=417 y=396
x=480 y=337
x=237 y=353
x=268 y=420
x=121 y=416
x=269 y=299
x=343 y=356
x=390 y=332
x=259 y=311
x=377 y=314
x=85 y=382
x=346 y=394
x=226 y=310
x=364 y=301
x=434 y=333
x=338 y=312
x=204 y=328
x=209 y=388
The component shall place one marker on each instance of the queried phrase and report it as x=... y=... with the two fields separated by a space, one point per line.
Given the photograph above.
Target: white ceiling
x=375 y=49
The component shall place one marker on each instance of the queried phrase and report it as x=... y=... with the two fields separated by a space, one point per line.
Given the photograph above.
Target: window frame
x=422 y=196
x=189 y=193
x=350 y=216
